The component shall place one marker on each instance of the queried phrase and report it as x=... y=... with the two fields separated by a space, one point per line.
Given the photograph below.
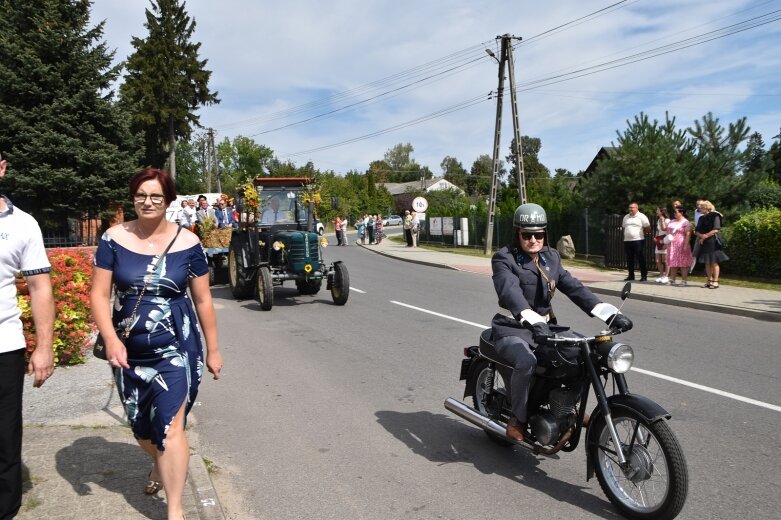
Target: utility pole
x=505 y=57
x=518 y=152
x=211 y=160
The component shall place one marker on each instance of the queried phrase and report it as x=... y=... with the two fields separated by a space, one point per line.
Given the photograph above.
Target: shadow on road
x=442 y=439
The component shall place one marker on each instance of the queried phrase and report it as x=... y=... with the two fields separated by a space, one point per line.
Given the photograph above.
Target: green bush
x=754 y=244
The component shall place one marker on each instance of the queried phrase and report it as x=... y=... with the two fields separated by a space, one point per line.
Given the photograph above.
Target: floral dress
x=679 y=251
x=164 y=349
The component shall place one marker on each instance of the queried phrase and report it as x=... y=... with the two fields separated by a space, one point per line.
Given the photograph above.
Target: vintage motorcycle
x=634 y=453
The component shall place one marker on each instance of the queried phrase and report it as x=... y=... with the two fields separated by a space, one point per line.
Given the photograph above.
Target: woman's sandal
x=152 y=486
x=714 y=285
x=708 y=284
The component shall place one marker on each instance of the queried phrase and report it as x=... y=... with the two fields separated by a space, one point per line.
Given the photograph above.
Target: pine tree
x=67 y=143
x=166 y=81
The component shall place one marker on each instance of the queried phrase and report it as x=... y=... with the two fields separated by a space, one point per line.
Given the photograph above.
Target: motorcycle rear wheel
x=479 y=392
x=656 y=483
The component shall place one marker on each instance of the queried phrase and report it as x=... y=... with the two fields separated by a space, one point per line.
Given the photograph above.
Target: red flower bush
x=73 y=326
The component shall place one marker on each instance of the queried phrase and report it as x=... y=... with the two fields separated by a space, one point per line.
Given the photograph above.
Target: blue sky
x=280 y=63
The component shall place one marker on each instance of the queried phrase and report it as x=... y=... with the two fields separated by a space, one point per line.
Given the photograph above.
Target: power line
x=534 y=84
x=472 y=55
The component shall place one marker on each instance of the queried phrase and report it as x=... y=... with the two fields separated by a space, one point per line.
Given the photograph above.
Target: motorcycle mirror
x=626 y=291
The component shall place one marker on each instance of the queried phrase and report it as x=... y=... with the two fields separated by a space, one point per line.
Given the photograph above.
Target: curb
x=200 y=482
x=410 y=260
x=734 y=311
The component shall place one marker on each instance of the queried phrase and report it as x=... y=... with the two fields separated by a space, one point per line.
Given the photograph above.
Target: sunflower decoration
x=251 y=199
x=310 y=193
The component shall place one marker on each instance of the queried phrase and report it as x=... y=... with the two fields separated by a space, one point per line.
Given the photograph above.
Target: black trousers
x=408 y=237
x=635 y=250
x=12 y=367
x=517 y=351
x=339 y=237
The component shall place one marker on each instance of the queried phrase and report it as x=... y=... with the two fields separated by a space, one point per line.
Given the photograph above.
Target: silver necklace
x=150 y=243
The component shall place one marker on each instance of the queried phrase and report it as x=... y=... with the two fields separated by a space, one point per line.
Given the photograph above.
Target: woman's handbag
x=99 y=350
x=720 y=242
x=659 y=239
x=668 y=238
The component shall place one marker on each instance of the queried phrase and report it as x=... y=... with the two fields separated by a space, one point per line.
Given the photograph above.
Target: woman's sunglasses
x=539 y=235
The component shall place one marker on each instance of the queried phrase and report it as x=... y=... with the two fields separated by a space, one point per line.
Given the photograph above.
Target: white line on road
x=638 y=370
x=357 y=290
x=709 y=389
x=440 y=315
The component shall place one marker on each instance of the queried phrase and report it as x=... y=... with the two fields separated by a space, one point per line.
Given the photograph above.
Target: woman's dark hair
x=681 y=210
x=150 y=174
x=664 y=213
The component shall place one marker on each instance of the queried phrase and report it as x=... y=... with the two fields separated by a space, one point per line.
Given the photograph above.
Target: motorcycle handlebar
x=559 y=340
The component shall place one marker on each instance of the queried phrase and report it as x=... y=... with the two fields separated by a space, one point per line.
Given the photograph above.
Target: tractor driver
x=273 y=214
x=526 y=275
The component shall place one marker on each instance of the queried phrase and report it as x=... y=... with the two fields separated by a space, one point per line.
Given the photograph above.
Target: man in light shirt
x=21 y=250
x=635 y=225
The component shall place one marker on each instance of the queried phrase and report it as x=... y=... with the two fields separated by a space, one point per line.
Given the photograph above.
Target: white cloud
x=271 y=56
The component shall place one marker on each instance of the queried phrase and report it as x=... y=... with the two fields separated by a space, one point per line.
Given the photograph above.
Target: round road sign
x=419 y=204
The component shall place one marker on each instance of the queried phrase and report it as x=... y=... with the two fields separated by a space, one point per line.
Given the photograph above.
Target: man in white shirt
x=635 y=225
x=21 y=250
x=273 y=214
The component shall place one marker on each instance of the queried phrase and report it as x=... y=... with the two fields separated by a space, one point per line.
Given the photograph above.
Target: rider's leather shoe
x=515 y=429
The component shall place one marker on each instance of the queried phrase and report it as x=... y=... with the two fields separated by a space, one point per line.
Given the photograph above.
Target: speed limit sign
x=419 y=204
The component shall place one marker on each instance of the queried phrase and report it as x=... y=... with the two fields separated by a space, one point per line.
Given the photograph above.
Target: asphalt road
x=336 y=412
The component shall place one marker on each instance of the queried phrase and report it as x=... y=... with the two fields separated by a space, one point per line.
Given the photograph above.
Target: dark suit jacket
x=519 y=286
x=222 y=220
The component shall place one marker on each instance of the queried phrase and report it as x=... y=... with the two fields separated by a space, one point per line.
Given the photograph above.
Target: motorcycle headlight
x=620 y=358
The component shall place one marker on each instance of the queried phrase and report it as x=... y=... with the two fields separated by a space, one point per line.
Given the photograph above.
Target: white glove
x=530 y=317
x=604 y=311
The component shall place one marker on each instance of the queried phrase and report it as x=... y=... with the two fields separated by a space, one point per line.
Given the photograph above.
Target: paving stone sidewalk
x=81 y=461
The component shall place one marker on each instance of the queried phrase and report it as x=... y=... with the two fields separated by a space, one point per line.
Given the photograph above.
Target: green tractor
x=277 y=241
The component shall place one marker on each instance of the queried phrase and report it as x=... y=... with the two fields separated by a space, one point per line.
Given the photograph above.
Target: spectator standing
x=379 y=229
x=660 y=249
x=337 y=222
x=415 y=228
x=21 y=250
x=679 y=252
x=635 y=226
x=345 y=229
x=370 y=228
x=710 y=252
x=361 y=227
x=407 y=226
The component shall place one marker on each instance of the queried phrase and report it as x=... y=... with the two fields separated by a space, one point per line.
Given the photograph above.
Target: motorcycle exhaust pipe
x=473 y=416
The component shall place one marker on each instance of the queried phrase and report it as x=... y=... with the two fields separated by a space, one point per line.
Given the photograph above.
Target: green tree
x=241 y=160
x=189 y=157
x=399 y=157
x=652 y=164
x=166 y=81
x=479 y=181
x=454 y=171
x=68 y=144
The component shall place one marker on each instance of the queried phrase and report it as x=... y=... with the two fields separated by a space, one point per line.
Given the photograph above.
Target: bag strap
x=158 y=262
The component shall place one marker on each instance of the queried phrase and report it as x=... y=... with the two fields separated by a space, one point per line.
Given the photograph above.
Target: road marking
x=709 y=389
x=357 y=290
x=440 y=315
x=638 y=370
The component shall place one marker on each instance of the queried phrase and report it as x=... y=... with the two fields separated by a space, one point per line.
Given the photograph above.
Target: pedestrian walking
x=21 y=250
x=158 y=362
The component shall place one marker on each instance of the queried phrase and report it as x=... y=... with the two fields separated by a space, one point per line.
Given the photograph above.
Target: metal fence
x=586 y=228
x=79 y=230
x=593 y=233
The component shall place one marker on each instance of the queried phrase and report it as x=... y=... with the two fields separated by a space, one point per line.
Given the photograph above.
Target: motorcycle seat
x=488 y=348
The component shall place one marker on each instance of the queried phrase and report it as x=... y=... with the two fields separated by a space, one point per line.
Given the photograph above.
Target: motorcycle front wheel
x=655 y=482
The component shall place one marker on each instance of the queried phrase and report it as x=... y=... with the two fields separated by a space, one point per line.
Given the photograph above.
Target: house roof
x=433 y=184
x=603 y=152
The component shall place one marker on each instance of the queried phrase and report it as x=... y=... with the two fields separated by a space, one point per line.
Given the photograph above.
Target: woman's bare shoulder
x=120 y=232
x=188 y=239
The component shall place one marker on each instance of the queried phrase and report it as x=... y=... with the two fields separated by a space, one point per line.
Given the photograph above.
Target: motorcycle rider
x=526 y=275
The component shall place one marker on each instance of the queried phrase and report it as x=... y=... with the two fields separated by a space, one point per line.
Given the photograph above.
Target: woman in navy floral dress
x=159 y=367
